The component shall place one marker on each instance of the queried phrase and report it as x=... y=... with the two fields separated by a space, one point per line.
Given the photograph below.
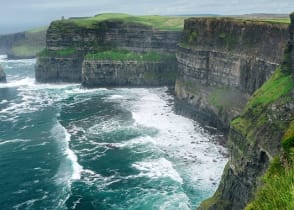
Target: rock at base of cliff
x=2 y=75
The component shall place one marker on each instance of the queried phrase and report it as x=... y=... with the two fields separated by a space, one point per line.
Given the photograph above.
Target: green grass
x=170 y=23
x=66 y=52
x=39 y=29
x=278 y=189
x=278 y=85
x=277 y=20
x=254 y=115
x=123 y=55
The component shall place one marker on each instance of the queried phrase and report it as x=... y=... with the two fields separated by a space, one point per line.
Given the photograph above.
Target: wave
x=157 y=169
x=3 y=59
x=195 y=157
x=61 y=134
x=12 y=141
x=27 y=81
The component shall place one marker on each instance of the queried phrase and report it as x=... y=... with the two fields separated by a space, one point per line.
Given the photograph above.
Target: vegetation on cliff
x=170 y=23
x=65 y=52
x=277 y=192
x=229 y=33
x=123 y=55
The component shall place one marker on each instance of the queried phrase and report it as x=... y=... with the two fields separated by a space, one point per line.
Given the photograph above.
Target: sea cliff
x=23 y=45
x=70 y=45
x=260 y=141
x=228 y=75
x=221 y=62
x=2 y=75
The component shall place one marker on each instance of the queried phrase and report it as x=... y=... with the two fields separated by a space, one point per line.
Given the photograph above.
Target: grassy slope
x=123 y=55
x=171 y=23
x=277 y=191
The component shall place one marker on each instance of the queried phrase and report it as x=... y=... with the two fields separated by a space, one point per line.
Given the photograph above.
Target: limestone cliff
x=7 y=41
x=221 y=62
x=101 y=73
x=255 y=139
x=23 y=45
x=2 y=75
x=69 y=43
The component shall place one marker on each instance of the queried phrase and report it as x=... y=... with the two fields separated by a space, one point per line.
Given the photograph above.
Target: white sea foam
x=81 y=90
x=196 y=158
x=113 y=97
x=29 y=203
x=12 y=141
x=61 y=133
x=157 y=169
x=27 y=81
x=3 y=57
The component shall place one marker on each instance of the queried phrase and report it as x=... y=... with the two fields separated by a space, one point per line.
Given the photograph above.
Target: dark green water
x=65 y=147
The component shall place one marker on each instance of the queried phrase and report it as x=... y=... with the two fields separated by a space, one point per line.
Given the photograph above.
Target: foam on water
x=61 y=134
x=12 y=141
x=189 y=150
x=162 y=147
x=157 y=169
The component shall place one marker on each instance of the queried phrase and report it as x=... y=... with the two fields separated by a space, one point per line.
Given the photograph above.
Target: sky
x=18 y=15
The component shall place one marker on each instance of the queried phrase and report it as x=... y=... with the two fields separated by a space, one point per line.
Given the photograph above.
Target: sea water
x=66 y=147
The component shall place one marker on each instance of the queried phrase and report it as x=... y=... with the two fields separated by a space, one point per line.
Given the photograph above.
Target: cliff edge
x=93 y=51
x=261 y=143
x=221 y=62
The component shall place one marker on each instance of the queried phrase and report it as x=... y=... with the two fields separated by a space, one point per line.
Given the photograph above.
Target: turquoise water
x=65 y=147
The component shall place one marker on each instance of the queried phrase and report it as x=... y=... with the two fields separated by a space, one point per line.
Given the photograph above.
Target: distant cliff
x=221 y=62
x=23 y=44
x=2 y=75
x=69 y=43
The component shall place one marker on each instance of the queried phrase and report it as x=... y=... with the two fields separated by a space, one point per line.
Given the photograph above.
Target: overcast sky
x=17 y=15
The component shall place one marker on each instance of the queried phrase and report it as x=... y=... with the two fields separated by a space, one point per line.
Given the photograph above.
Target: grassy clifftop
x=170 y=23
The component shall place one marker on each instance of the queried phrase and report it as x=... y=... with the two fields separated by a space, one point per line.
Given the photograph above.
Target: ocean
x=66 y=147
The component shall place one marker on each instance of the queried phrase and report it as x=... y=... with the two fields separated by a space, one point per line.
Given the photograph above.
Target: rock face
x=59 y=69
x=223 y=61
x=97 y=73
x=7 y=41
x=2 y=75
x=22 y=45
x=255 y=137
x=106 y=35
x=111 y=33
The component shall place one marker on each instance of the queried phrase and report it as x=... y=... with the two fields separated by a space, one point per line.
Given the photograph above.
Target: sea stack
x=2 y=75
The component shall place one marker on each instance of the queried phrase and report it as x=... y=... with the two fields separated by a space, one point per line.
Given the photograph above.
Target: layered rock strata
x=63 y=37
x=221 y=62
x=255 y=137
x=99 y=73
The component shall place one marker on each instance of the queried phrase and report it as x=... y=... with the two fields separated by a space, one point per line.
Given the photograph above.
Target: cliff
x=23 y=45
x=261 y=144
x=229 y=76
x=130 y=72
x=221 y=62
x=69 y=42
x=2 y=75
